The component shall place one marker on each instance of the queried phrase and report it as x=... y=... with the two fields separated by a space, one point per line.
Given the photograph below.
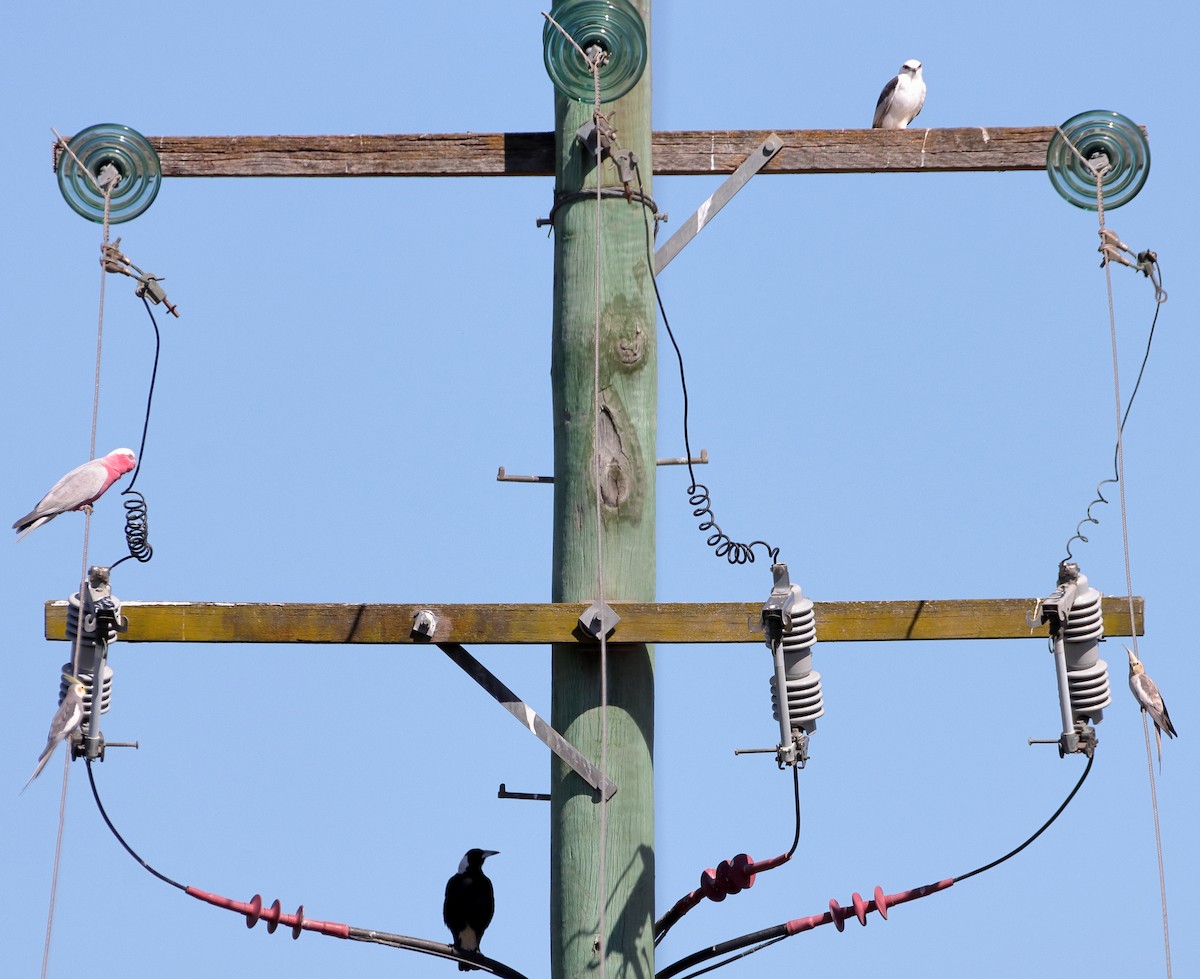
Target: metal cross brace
x=526 y=715
x=720 y=197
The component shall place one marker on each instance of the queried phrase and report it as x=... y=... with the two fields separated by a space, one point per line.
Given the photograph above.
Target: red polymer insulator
x=254 y=913
x=881 y=903
x=837 y=915
x=861 y=907
x=730 y=877
x=709 y=886
x=740 y=872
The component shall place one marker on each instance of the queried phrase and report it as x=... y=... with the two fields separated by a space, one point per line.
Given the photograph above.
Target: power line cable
x=136 y=523
x=105 y=188
x=769 y=936
x=724 y=546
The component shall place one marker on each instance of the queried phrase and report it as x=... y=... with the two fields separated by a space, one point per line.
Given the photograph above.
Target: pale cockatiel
x=77 y=489
x=1145 y=692
x=901 y=98
x=66 y=719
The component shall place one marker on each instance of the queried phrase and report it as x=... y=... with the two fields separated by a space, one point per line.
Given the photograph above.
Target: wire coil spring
x=1088 y=518
x=137 y=526
x=724 y=545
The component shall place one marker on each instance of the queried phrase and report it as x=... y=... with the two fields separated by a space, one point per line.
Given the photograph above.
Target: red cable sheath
x=837 y=915
x=273 y=916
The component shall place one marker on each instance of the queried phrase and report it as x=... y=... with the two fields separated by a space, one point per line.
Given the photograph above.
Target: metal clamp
x=112 y=259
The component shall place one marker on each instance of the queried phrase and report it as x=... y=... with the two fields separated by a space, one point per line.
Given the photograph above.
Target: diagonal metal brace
x=720 y=197
x=526 y=715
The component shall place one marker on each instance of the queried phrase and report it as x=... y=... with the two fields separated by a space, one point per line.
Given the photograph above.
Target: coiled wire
x=698 y=494
x=724 y=545
x=137 y=527
x=137 y=523
x=1156 y=278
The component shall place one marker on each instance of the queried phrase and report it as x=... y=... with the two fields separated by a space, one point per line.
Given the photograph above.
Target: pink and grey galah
x=78 y=489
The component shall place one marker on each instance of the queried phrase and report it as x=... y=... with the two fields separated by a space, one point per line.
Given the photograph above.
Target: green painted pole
x=616 y=914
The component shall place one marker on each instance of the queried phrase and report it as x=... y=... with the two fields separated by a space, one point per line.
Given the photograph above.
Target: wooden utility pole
x=594 y=908
x=602 y=903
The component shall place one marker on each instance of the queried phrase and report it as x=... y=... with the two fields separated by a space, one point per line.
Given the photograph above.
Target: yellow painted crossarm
x=524 y=624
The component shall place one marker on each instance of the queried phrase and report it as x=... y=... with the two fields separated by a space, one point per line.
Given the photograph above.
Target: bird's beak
x=490 y=853
x=72 y=679
x=1132 y=658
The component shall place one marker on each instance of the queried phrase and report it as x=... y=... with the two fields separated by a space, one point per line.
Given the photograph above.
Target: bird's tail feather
x=37 y=771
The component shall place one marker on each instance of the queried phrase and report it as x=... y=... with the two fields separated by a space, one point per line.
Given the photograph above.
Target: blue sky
x=903 y=380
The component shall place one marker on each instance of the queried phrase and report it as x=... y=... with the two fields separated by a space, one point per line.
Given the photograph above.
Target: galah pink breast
x=77 y=489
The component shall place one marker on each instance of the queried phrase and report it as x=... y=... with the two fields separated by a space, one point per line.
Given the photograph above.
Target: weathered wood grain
x=679 y=153
x=524 y=624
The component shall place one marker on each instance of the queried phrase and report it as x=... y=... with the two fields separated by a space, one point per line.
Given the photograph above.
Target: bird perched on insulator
x=66 y=719
x=470 y=903
x=78 y=489
x=1145 y=692
x=901 y=98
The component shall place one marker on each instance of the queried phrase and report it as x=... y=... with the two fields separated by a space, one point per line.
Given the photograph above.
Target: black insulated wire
x=734 y=958
x=137 y=523
x=699 y=497
x=672 y=917
x=769 y=936
x=1115 y=478
x=1045 y=826
x=120 y=839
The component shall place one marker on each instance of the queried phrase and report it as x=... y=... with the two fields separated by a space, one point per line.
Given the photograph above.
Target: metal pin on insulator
x=796 y=699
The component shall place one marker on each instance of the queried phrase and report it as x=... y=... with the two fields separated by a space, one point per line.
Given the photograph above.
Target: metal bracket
x=526 y=715
x=598 y=136
x=503 y=793
x=599 y=619
x=777 y=610
x=720 y=197
x=700 y=460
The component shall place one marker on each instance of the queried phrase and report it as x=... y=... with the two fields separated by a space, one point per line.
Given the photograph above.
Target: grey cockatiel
x=1145 y=692
x=66 y=719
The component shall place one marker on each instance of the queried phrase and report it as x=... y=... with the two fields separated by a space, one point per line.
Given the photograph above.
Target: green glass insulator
x=109 y=151
x=1106 y=141
x=612 y=25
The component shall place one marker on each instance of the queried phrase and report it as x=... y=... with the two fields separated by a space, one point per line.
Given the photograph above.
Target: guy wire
x=1100 y=497
x=87 y=524
x=1112 y=321
x=602 y=926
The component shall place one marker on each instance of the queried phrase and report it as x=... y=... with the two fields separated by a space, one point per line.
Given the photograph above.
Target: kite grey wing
x=885 y=101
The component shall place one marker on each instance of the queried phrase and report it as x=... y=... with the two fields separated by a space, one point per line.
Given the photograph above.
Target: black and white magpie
x=469 y=903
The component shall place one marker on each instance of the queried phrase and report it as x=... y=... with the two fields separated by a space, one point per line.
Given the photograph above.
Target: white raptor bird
x=901 y=98
x=1145 y=692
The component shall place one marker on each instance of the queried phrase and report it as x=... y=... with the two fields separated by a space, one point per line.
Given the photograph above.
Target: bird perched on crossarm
x=1145 y=692
x=66 y=719
x=901 y=98
x=469 y=903
x=78 y=489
